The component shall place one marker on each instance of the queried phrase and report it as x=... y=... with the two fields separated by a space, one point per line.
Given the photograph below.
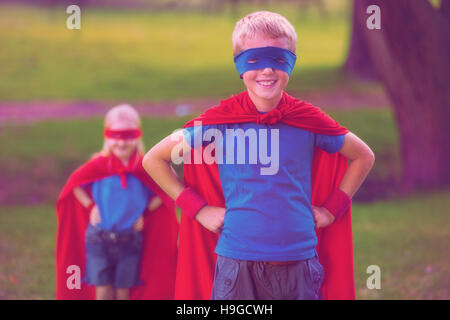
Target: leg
x=128 y=266
x=225 y=278
x=104 y=292
x=99 y=270
x=122 y=294
x=304 y=280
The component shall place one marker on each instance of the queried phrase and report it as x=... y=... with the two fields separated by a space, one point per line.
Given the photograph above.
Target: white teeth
x=266 y=83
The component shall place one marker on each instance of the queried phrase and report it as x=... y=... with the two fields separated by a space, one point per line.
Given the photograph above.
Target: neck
x=264 y=105
x=124 y=161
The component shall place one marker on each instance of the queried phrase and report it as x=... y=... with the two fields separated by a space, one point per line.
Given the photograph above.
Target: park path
x=32 y=111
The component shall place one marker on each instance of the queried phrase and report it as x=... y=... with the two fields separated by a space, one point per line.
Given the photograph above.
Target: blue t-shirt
x=265 y=173
x=120 y=208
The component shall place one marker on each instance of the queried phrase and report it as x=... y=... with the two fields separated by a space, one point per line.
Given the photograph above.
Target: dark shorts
x=257 y=280
x=112 y=258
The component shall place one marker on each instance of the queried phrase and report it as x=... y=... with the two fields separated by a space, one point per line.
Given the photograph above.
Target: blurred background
x=173 y=59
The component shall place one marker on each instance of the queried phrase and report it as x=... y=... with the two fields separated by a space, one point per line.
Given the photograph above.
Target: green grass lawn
x=407 y=238
x=136 y=55
x=27 y=242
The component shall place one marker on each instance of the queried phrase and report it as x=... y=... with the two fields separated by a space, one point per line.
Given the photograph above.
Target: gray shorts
x=258 y=280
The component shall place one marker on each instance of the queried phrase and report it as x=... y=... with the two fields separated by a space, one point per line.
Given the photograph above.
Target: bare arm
x=86 y=201
x=361 y=161
x=82 y=196
x=154 y=203
x=157 y=164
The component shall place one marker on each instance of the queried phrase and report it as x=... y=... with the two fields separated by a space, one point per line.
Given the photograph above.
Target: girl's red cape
x=196 y=257
x=160 y=233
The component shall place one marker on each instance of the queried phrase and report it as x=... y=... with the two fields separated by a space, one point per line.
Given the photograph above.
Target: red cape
x=196 y=257
x=160 y=233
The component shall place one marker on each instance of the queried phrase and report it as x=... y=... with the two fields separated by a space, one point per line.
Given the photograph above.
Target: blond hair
x=123 y=112
x=265 y=23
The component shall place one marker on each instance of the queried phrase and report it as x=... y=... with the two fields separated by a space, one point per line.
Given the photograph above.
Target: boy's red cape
x=160 y=233
x=196 y=257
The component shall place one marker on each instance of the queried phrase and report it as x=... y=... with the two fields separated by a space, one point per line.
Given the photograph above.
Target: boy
x=265 y=208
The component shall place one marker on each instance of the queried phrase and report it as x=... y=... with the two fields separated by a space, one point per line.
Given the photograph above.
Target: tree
x=410 y=54
x=357 y=62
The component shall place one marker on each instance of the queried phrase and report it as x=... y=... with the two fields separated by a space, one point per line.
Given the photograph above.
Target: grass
x=407 y=238
x=377 y=127
x=138 y=55
x=27 y=252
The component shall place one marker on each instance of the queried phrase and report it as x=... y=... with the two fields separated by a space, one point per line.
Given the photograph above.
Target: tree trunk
x=358 y=61
x=411 y=55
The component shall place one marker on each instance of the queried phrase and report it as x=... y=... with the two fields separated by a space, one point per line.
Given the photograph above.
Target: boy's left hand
x=322 y=217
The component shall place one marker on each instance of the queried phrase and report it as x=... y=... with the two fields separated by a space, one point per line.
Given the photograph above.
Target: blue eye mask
x=265 y=57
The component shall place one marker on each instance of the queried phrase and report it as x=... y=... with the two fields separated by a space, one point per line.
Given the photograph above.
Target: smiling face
x=265 y=86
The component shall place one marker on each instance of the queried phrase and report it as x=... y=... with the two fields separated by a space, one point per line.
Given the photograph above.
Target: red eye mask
x=122 y=134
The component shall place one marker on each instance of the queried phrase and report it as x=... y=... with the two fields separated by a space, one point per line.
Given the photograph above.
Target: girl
x=120 y=199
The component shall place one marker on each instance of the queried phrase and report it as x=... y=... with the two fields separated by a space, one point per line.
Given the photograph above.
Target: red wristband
x=190 y=202
x=338 y=203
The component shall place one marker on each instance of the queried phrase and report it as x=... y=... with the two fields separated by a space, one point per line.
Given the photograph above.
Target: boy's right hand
x=211 y=218
x=94 y=217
